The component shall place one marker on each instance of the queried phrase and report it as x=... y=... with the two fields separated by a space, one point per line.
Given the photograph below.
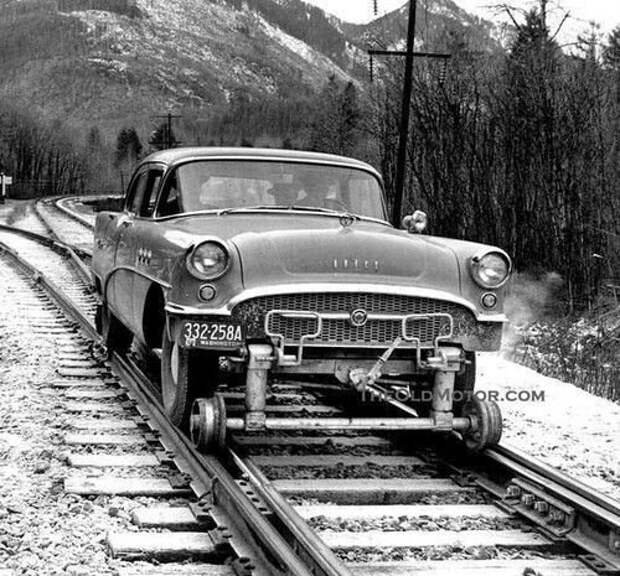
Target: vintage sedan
x=256 y=264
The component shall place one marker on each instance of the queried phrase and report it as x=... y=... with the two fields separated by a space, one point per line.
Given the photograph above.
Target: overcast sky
x=605 y=12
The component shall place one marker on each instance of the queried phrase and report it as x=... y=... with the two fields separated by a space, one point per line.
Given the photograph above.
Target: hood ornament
x=358 y=318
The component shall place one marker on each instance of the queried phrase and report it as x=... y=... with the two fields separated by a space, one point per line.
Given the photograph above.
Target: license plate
x=211 y=334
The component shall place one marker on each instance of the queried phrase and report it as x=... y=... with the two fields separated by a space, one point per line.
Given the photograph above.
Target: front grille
x=377 y=332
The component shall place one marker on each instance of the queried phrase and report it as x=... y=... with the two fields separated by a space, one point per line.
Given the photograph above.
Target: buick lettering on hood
x=239 y=266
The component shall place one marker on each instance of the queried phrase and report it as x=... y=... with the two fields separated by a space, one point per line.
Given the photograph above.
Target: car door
x=120 y=298
x=145 y=235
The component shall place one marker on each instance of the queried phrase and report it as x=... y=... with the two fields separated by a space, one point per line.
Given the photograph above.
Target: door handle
x=124 y=221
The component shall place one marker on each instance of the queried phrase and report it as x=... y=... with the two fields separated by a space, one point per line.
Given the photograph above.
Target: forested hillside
x=516 y=146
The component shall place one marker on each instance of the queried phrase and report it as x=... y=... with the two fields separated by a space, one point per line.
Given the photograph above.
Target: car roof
x=178 y=155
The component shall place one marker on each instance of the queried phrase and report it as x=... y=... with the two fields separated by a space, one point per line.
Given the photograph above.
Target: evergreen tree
x=350 y=116
x=128 y=147
x=94 y=141
x=163 y=137
x=287 y=144
x=611 y=53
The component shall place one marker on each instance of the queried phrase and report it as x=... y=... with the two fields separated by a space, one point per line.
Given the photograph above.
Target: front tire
x=177 y=392
x=185 y=375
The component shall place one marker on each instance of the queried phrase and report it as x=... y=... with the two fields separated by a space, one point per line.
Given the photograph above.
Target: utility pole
x=168 y=131
x=409 y=55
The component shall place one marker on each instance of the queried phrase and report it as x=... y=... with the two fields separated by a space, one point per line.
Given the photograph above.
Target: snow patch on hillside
x=303 y=50
x=293 y=44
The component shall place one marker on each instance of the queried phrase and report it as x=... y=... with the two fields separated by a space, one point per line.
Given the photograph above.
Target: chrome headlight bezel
x=217 y=273
x=477 y=265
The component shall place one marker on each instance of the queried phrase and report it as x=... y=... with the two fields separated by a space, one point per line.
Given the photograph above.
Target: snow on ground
x=568 y=428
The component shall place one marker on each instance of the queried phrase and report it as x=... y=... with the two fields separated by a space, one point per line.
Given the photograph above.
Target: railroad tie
x=498 y=567
x=436 y=538
x=433 y=511
x=368 y=491
x=113 y=460
x=114 y=486
x=171 y=569
x=85 y=439
x=163 y=545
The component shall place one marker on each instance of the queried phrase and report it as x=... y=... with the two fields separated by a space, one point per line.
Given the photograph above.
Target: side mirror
x=416 y=223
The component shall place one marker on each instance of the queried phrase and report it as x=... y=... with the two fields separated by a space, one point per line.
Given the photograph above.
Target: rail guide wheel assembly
x=486 y=424
x=208 y=423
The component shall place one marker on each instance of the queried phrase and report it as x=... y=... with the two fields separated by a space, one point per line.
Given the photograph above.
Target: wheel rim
x=169 y=388
x=174 y=363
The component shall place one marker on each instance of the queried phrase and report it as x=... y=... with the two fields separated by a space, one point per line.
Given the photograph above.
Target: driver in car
x=317 y=192
x=284 y=194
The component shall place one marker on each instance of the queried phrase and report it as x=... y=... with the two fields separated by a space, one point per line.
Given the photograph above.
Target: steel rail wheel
x=486 y=419
x=208 y=424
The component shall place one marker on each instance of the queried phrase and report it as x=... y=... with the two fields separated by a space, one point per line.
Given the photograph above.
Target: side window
x=150 y=194
x=170 y=198
x=136 y=193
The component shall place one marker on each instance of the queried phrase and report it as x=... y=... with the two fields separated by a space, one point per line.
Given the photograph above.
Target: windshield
x=236 y=184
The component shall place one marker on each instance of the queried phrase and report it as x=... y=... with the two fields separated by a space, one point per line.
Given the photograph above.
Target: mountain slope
x=441 y=25
x=84 y=64
x=116 y=62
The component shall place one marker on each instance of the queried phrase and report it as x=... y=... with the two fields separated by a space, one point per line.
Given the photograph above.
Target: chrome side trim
x=367 y=288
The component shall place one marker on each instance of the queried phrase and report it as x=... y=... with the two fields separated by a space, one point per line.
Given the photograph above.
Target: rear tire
x=116 y=336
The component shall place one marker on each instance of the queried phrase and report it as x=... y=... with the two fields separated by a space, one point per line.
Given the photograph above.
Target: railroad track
x=65 y=224
x=361 y=504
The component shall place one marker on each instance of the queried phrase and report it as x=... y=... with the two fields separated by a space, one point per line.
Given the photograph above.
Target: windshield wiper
x=242 y=209
x=290 y=207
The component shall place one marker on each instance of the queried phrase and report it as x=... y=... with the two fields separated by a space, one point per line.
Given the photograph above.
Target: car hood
x=297 y=249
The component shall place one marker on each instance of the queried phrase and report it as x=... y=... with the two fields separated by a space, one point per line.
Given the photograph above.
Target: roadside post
x=5 y=181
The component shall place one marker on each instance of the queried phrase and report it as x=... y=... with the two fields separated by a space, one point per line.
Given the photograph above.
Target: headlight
x=491 y=270
x=208 y=261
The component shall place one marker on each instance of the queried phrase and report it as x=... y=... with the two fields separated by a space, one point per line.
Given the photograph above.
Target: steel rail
x=64 y=303
x=599 y=505
x=76 y=255
x=592 y=519
x=59 y=204
x=209 y=476
x=591 y=504
x=46 y=221
x=313 y=549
